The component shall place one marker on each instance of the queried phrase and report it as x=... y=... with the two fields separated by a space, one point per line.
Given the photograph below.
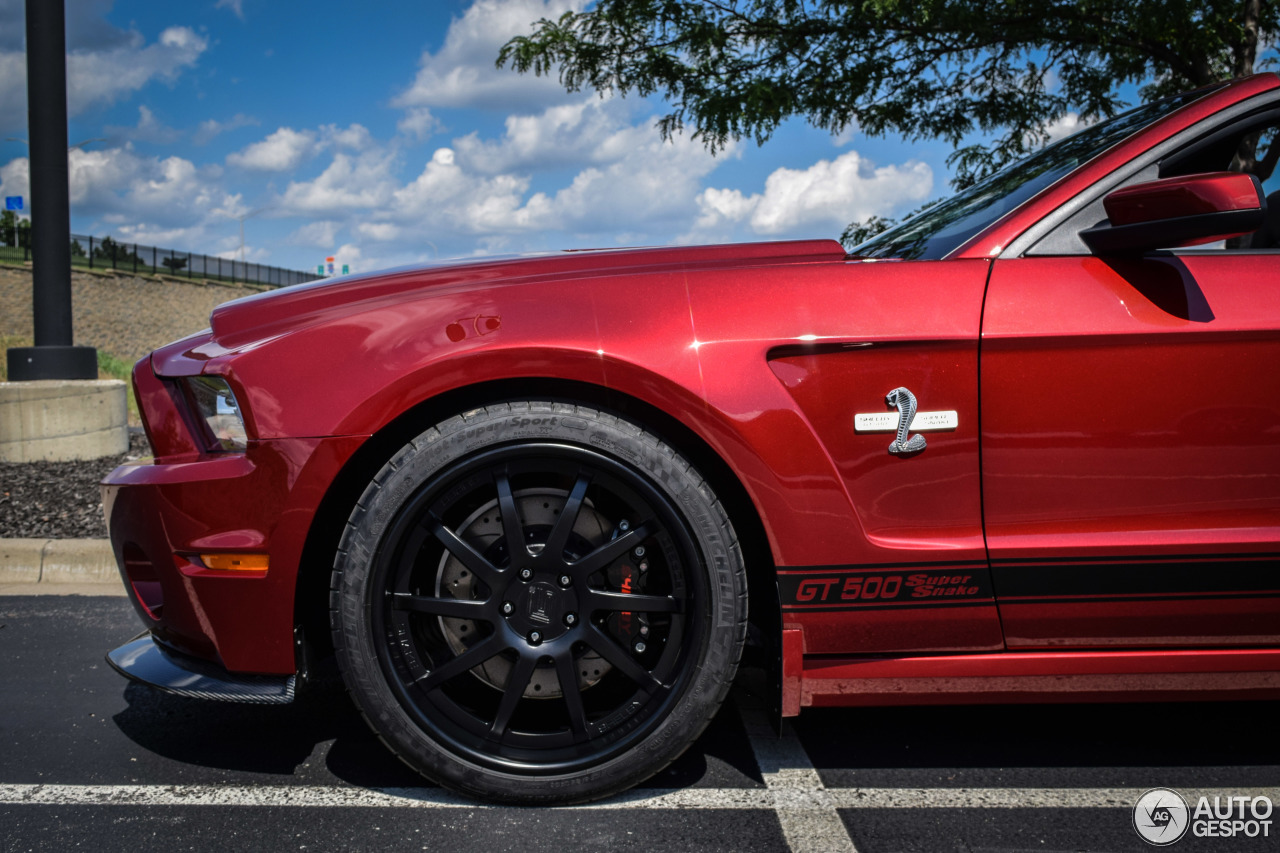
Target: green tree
x=110 y=250
x=946 y=69
x=9 y=228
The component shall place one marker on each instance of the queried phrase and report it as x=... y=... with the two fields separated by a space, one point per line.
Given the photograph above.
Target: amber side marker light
x=235 y=562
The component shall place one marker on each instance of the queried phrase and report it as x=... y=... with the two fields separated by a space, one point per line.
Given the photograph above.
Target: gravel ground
x=58 y=500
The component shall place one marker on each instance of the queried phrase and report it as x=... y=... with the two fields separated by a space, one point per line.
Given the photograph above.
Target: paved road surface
x=87 y=760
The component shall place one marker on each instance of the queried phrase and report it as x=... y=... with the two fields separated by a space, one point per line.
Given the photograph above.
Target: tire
x=456 y=646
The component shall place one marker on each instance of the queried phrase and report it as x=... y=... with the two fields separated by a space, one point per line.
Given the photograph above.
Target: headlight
x=215 y=407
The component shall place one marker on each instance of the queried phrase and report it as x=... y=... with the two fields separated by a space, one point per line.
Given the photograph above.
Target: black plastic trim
x=1165 y=233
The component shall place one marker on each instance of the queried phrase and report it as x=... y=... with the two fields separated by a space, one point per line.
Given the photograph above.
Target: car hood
x=273 y=312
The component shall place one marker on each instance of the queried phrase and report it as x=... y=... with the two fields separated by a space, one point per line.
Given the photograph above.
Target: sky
x=382 y=134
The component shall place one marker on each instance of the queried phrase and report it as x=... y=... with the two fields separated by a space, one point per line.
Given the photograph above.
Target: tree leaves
x=947 y=69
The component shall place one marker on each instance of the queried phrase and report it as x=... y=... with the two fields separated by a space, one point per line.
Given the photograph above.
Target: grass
x=113 y=367
x=109 y=367
x=7 y=341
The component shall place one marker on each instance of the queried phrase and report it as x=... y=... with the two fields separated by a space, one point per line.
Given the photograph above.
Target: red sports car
x=1023 y=447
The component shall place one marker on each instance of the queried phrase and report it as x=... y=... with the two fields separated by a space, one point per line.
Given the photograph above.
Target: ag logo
x=1161 y=817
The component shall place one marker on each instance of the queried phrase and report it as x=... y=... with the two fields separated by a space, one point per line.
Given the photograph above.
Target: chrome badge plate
x=922 y=422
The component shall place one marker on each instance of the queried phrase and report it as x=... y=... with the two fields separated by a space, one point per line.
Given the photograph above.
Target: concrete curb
x=58 y=565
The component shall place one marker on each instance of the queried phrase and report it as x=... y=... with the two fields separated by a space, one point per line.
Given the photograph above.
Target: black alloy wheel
x=531 y=603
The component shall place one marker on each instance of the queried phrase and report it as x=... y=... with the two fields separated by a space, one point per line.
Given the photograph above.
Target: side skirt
x=1026 y=677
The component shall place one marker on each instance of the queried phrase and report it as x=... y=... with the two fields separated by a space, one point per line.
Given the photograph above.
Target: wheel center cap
x=541 y=606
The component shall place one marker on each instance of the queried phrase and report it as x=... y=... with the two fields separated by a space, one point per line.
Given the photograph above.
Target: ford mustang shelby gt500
x=1023 y=447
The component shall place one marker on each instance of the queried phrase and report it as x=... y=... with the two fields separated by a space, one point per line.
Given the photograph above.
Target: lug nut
x=570 y=619
x=535 y=637
x=644 y=630
x=507 y=607
x=624 y=525
x=640 y=647
x=639 y=551
x=565 y=580
x=525 y=574
x=644 y=566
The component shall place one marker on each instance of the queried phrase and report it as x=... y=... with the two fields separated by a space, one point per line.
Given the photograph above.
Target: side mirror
x=1176 y=212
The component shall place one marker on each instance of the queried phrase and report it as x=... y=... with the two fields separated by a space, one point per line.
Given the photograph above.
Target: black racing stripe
x=1187 y=576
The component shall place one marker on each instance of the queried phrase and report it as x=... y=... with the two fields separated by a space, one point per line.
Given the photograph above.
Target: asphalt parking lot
x=88 y=760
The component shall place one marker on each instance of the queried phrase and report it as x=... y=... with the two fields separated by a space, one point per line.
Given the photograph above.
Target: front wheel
x=538 y=603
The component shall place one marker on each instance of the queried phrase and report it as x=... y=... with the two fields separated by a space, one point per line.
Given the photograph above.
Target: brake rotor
x=537 y=510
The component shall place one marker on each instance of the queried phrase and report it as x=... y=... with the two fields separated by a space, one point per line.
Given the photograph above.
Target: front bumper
x=143 y=659
x=163 y=513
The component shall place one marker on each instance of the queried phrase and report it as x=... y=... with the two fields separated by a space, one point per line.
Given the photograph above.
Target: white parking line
x=809 y=821
x=781 y=798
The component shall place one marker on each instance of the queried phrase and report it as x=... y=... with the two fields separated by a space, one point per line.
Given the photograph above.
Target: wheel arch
x=311 y=600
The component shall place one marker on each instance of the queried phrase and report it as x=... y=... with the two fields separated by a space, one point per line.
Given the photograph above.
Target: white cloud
x=381 y=231
x=236 y=6
x=647 y=183
x=286 y=149
x=117 y=181
x=846 y=136
x=725 y=205
x=350 y=183
x=462 y=72
x=15 y=178
x=282 y=151
x=105 y=76
x=419 y=123
x=590 y=131
x=169 y=202
x=148 y=129
x=445 y=194
x=210 y=128
x=321 y=233
x=104 y=63
x=349 y=255
x=355 y=137
x=634 y=187
x=830 y=193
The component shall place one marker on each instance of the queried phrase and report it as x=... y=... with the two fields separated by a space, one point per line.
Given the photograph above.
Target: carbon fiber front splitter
x=143 y=659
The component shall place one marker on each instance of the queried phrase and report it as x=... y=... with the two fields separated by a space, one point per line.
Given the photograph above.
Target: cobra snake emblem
x=905 y=402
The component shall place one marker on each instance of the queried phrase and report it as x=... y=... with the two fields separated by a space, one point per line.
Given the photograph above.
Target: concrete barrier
x=79 y=561
x=58 y=562
x=59 y=420
x=20 y=560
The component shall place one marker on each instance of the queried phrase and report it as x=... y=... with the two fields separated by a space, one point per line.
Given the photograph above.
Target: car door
x=1131 y=432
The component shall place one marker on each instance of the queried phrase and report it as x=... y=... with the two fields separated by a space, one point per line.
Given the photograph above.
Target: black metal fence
x=107 y=253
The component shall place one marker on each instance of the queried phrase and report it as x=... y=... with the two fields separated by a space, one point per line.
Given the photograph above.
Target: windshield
x=934 y=233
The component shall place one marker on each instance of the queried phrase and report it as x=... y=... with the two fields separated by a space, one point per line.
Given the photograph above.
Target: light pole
x=242 y=218
x=54 y=356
